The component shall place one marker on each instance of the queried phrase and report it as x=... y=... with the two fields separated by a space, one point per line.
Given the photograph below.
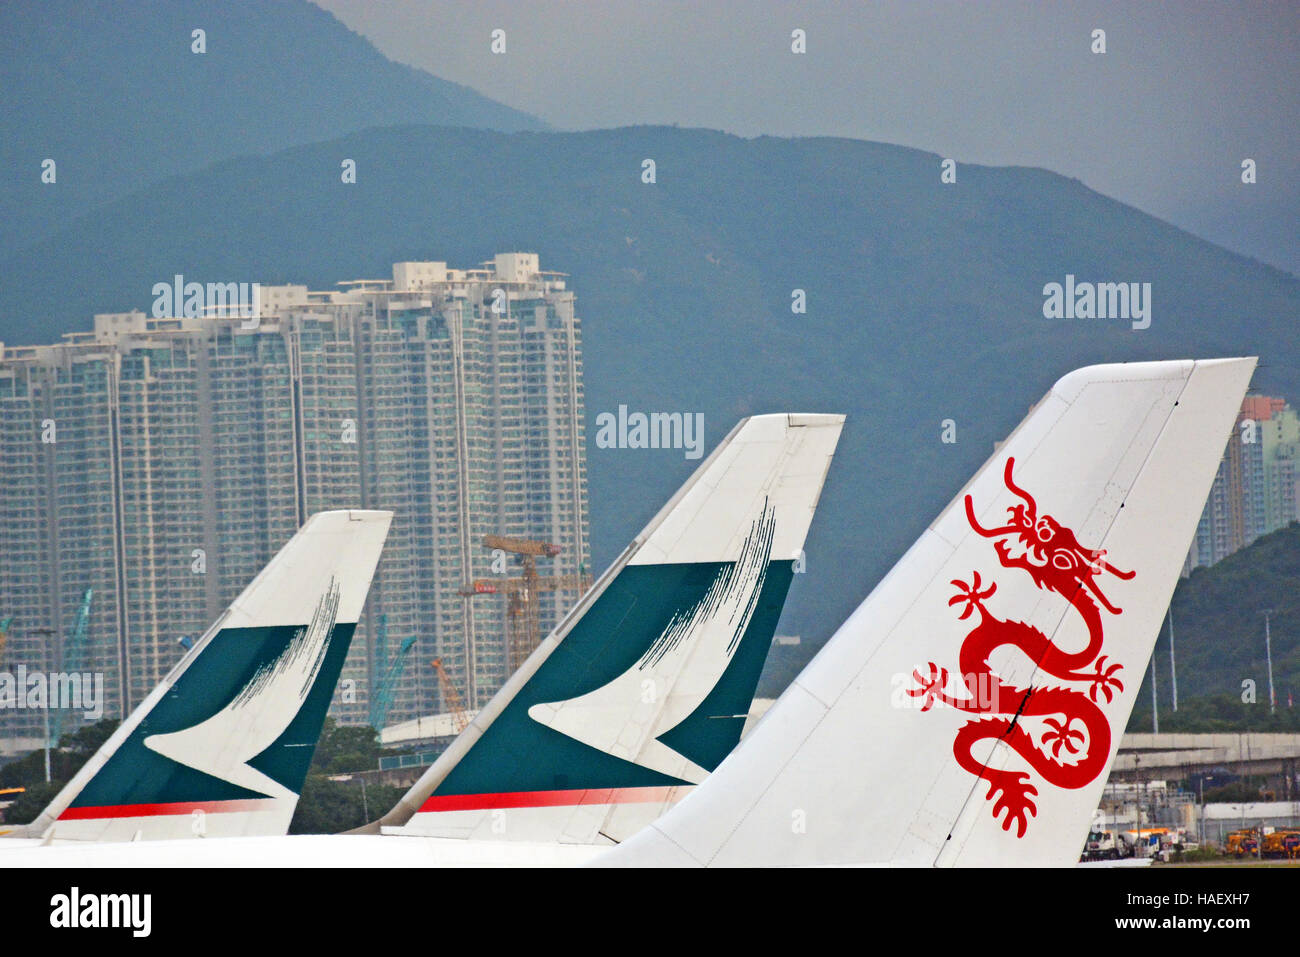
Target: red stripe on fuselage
x=160 y=810
x=479 y=802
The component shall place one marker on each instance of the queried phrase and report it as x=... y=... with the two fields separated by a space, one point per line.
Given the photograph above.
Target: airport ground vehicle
x=1242 y=843
x=1282 y=842
x=1152 y=841
x=1105 y=846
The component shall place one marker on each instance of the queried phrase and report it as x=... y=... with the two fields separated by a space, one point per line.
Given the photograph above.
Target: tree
x=344 y=748
x=74 y=750
x=330 y=807
x=31 y=802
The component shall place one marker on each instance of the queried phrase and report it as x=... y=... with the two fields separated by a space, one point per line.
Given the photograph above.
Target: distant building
x=1280 y=435
x=162 y=462
x=1255 y=489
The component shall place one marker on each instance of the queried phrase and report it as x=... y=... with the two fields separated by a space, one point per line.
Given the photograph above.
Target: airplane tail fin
x=644 y=687
x=221 y=747
x=969 y=710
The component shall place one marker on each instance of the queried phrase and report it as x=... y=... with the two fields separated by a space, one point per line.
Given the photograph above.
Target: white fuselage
x=301 y=850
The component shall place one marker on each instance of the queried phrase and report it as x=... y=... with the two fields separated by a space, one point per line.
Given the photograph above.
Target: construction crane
x=382 y=699
x=451 y=698
x=73 y=656
x=522 y=546
x=523 y=593
x=378 y=658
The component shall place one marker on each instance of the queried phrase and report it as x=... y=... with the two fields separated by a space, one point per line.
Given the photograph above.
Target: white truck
x=1103 y=845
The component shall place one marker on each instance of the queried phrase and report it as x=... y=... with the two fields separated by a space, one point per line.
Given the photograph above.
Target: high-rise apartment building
x=1255 y=489
x=161 y=462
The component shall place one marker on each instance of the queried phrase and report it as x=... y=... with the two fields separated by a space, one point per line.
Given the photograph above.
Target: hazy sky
x=1162 y=120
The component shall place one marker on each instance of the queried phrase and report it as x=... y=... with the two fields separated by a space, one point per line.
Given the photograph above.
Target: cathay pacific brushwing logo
x=679 y=669
x=259 y=713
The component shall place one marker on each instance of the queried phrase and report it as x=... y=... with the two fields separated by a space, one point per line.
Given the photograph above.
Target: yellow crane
x=451 y=698
x=522 y=546
x=522 y=593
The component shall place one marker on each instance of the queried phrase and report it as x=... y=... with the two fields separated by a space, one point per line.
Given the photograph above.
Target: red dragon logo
x=1055 y=560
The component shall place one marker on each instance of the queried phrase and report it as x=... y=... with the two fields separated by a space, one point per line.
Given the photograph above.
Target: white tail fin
x=644 y=687
x=968 y=712
x=222 y=746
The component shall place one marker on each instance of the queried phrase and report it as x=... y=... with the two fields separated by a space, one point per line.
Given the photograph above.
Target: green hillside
x=1219 y=640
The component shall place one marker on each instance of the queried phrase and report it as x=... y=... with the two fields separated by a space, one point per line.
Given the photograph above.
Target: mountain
x=113 y=93
x=924 y=300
